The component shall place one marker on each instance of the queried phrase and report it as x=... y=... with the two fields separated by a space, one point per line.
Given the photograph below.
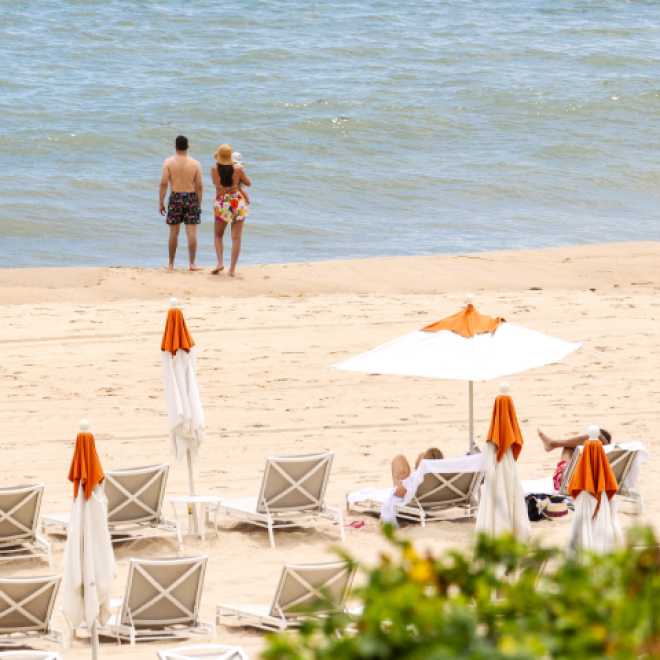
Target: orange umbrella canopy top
x=593 y=473
x=504 y=431
x=176 y=334
x=467 y=323
x=85 y=467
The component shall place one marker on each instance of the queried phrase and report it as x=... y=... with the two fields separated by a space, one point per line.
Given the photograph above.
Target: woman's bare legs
x=236 y=237
x=567 y=454
x=400 y=469
x=218 y=233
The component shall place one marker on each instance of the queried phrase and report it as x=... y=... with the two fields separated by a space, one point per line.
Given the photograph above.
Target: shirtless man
x=184 y=176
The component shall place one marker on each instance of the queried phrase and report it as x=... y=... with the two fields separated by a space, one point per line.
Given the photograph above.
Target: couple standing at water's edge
x=183 y=175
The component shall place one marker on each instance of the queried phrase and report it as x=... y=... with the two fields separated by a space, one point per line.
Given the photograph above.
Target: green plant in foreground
x=504 y=600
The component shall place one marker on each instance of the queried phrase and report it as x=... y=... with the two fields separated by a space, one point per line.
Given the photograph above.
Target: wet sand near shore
x=86 y=343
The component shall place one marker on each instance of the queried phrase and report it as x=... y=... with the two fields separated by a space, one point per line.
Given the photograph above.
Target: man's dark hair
x=181 y=143
x=607 y=435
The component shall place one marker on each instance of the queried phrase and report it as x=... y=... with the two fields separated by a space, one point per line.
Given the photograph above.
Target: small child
x=238 y=160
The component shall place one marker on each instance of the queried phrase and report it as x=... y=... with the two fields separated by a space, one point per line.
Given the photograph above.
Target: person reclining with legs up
x=568 y=448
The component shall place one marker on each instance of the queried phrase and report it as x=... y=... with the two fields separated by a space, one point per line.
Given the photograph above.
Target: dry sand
x=85 y=343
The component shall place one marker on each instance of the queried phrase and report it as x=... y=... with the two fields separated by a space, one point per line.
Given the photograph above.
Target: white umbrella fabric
x=595 y=526
x=467 y=346
x=184 y=407
x=89 y=561
x=502 y=508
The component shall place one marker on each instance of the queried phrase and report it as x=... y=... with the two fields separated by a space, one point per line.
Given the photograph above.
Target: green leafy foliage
x=503 y=600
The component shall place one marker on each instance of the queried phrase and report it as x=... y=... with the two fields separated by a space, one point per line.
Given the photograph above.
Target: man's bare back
x=182 y=172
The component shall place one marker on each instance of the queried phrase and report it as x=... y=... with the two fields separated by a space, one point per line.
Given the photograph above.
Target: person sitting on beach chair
x=401 y=468
x=568 y=447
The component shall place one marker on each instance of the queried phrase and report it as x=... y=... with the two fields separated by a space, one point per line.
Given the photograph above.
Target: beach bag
x=541 y=507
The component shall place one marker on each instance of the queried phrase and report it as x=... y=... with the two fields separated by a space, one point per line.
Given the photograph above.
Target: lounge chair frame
x=620 y=461
x=205 y=651
x=427 y=506
x=148 y=523
x=24 y=542
x=33 y=627
x=311 y=507
x=29 y=655
x=280 y=616
x=129 y=625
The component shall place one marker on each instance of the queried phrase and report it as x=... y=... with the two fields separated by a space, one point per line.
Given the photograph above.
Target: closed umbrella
x=89 y=562
x=184 y=408
x=502 y=508
x=466 y=346
x=595 y=526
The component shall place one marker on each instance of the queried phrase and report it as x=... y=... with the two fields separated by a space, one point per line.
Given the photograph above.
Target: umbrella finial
x=504 y=388
x=469 y=299
x=83 y=426
x=594 y=432
x=174 y=303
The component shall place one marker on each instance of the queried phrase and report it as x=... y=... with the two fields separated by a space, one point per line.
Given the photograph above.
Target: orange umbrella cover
x=466 y=323
x=176 y=334
x=85 y=467
x=504 y=430
x=593 y=474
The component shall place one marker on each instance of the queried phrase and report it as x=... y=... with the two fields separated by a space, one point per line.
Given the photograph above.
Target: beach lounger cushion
x=135 y=505
x=26 y=606
x=29 y=655
x=303 y=591
x=292 y=493
x=19 y=519
x=435 y=489
x=204 y=652
x=161 y=601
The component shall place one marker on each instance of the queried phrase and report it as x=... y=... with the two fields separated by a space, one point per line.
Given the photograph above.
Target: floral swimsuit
x=230 y=207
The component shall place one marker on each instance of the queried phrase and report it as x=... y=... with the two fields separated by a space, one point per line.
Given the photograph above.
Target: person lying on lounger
x=401 y=468
x=568 y=448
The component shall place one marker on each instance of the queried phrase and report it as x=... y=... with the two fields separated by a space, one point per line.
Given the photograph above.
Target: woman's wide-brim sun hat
x=223 y=155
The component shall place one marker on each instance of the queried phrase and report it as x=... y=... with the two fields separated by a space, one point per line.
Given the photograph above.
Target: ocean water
x=371 y=128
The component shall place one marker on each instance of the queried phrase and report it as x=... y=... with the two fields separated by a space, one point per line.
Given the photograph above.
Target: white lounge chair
x=304 y=591
x=292 y=493
x=26 y=605
x=19 y=518
x=135 y=506
x=621 y=461
x=29 y=655
x=625 y=459
x=448 y=490
x=204 y=652
x=161 y=601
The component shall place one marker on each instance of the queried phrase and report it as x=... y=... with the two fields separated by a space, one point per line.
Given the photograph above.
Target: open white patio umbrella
x=184 y=408
x=466 y=346
x=89 y=561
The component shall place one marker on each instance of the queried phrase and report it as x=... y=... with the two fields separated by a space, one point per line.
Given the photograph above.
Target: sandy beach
x=86 y=343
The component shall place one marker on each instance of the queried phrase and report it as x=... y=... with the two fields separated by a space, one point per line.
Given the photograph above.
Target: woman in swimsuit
x=229 y=206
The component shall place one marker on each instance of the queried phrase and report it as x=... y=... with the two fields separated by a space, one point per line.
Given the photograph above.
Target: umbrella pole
x=471 y=414
x=192 y=509
x=95 y=641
